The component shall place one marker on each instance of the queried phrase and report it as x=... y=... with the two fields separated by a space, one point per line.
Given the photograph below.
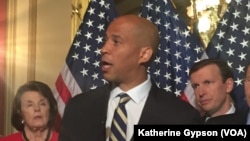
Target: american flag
x=231 y=42
x=82 y=67
x=178 y=49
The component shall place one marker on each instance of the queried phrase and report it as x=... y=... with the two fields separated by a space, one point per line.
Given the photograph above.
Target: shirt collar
x=230 y=111
x=137 y=93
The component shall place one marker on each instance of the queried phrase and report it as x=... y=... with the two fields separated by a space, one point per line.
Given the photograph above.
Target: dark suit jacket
x=84 y=118
x=237 y=118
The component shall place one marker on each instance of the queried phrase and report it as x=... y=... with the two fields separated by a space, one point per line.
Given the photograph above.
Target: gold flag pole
x=195 y=19
x=194 y=22
x=78 y=10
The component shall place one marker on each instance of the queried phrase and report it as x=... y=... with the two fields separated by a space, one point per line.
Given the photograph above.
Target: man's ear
x=145 y=54
x=230 y=85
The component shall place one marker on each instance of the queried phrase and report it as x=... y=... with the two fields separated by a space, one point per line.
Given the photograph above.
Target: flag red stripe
x=66 y=88
x=62 y=89
x=183 y=97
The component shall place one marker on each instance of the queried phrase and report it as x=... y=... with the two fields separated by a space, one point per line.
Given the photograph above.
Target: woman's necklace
x=26 y=139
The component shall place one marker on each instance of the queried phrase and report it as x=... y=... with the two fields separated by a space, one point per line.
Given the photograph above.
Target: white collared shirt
x=230 y=111
x=134 y=107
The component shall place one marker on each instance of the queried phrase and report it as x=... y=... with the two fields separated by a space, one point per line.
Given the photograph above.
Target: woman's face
x=34 y=110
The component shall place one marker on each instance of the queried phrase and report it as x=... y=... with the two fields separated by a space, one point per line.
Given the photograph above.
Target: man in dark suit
x=212 y=81
x=131 y=43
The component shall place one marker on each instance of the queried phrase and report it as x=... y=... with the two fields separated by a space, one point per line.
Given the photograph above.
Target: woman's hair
x=41 y=88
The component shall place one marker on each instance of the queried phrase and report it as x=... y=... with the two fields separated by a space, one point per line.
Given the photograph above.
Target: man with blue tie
x=247 y=89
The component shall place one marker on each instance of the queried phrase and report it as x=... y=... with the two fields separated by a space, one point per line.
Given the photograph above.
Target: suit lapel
x=147 y=110
x=102 y=99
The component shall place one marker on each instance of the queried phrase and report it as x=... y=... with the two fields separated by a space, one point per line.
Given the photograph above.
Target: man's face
x=210 y=90
x=120 y=53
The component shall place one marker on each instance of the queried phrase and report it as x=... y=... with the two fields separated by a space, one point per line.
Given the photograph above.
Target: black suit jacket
x=237 y=118
x=84 y=117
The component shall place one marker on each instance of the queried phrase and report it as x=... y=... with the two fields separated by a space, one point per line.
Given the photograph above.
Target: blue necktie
x=119 y=123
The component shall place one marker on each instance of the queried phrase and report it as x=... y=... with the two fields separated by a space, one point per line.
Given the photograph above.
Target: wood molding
x=32 y=39
x=3 y=29
x=10 y=64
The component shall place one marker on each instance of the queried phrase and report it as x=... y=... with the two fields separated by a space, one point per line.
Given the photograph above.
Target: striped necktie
x=119 y=123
